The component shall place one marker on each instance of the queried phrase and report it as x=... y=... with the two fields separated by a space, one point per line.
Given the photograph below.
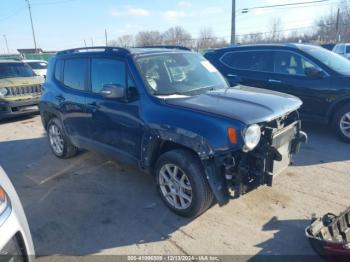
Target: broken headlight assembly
x=4 y=201
x=251 y=136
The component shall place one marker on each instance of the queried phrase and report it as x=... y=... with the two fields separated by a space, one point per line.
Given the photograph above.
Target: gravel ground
x=93 y=205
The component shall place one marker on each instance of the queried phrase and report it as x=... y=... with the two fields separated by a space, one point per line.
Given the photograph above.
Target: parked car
x=39 y=66
x=15 y=239
x=20 y=89
x=342 y=49
x=171 y=113
x=319 y=77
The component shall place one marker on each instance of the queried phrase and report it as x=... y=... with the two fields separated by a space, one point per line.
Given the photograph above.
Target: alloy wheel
x=56 y=139
x=175 y=186
x=345 y=124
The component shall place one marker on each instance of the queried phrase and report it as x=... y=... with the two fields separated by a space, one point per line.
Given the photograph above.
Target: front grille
x=24 y=90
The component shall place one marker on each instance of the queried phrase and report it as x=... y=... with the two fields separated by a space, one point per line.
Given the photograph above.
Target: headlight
x=4 y=201
x=3 y=91
x=251 y=137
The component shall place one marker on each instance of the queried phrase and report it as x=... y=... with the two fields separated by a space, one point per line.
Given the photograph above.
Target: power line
x=282 y=5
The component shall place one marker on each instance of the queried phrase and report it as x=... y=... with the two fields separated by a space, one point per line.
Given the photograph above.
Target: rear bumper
x=18 y=108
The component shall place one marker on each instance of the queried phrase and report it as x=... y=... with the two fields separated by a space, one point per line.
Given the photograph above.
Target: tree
x=125 y=41
x=207 y=39
x=177 y=36
x=275 y=32
x=148 y=38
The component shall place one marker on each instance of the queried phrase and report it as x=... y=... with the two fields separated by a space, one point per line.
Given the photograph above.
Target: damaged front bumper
x=240 y=172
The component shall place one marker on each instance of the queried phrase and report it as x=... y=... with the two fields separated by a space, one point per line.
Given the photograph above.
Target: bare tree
x=177 y=36
x=253 y=38
x=275 y=32
x=125 y=41
x=207 y=39
x=148 y=38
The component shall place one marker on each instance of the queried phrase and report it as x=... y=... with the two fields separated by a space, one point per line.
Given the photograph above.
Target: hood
x=20 y=81
x=246 y=104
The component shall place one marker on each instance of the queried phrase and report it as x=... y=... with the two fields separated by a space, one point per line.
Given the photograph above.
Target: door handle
x=60 y=98
x=231 y=75
x=275 y=81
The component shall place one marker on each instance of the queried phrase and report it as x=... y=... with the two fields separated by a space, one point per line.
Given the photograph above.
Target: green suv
x=20 y=89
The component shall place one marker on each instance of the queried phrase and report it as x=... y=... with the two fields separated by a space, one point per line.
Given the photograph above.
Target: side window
x=347 y=51
x=107 y=71
x=292 y=64
x=288 y=63
x=74 y=75
x=249 y=60
x=59 y=69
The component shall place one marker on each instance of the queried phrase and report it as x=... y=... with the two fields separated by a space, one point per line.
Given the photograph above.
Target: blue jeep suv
x=320 y=78
x=172 y=114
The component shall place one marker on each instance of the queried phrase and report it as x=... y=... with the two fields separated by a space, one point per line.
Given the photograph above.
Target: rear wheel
x=58 y=141
x=341 y=123
x=182 y=183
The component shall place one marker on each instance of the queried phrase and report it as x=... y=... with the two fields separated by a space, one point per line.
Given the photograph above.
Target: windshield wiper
x=168 y=94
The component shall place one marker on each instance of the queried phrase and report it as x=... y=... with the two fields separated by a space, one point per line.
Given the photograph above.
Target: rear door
x=251 y=67
x=289 y=77
x=72 y=74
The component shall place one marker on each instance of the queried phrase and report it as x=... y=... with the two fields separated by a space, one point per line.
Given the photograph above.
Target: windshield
x=37 y=65
x=331 y=59
x=179 y=73
x=8 y=70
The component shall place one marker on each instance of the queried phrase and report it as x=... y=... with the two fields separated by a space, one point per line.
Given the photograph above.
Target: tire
x=341 y=123
x=187 y=164
x=59 y=140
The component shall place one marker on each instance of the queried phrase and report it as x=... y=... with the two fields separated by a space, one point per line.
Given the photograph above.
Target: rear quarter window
x=59 y=70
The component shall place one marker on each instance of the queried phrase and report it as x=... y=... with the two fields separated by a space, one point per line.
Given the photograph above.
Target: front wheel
x=182 y=183
x=341 y=123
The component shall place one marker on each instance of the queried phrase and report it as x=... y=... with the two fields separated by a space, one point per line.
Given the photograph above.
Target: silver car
x=342 y=49
x=15 y=239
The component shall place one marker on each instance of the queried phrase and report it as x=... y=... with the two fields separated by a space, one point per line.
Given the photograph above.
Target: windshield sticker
x=209 y=66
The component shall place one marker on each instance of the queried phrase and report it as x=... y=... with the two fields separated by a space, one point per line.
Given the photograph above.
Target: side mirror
x=314 y=73
x=113 y=91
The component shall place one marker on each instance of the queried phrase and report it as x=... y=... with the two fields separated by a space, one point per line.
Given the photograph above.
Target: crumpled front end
x=244 y=171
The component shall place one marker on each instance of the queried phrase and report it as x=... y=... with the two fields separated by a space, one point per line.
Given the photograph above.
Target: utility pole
x=84 y=42
x=7 y=46
x=337 y=37
x=31 y=22
x=92 y=42
x=233 y=23
x=106 y=37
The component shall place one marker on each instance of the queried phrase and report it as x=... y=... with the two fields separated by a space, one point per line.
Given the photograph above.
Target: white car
x=342 y=49
x=15 y=239
x=39 y=66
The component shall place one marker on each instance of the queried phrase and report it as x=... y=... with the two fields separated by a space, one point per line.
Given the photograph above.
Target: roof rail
x=168 y=47
x=94 y=48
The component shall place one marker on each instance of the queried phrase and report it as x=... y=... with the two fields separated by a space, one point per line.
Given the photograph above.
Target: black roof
x=121 y=50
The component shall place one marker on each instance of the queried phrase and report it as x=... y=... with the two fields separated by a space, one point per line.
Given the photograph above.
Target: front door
x=114 y=123
x=289 y=77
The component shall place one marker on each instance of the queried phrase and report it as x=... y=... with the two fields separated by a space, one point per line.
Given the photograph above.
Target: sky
x=62 y=24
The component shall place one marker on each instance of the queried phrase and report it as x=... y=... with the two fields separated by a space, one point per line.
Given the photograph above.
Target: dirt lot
x=91 y=204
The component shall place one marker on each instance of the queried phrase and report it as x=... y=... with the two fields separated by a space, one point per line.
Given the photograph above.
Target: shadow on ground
x=87 y=204
x=323 y=146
